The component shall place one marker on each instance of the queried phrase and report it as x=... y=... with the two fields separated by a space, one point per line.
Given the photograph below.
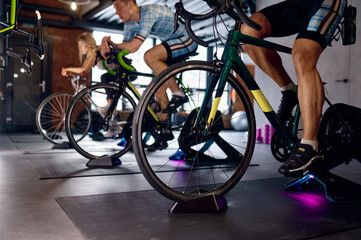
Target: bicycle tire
x=203 y=173
x=50 y=117
x=95 y=145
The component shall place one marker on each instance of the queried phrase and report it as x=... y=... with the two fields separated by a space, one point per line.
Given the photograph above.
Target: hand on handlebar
x=64 y=72
x=105 y=49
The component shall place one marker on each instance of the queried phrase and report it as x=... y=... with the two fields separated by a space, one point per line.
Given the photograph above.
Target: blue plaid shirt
x=156 y=20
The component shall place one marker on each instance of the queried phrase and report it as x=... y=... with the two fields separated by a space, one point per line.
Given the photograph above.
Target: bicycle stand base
x=63 y=145
x=337 y=189
x=207 y=204
x=105 y=161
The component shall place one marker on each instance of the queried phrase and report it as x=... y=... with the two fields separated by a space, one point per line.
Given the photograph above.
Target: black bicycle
x=90 y=107
x=206 y=156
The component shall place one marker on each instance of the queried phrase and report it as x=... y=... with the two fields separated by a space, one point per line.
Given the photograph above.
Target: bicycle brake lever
x=188 y=17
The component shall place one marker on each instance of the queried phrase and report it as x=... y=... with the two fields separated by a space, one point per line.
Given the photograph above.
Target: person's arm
x=85 y=67
x=132 y=46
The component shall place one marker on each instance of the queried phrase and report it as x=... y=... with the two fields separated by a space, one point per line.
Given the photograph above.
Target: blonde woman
x=87 y=48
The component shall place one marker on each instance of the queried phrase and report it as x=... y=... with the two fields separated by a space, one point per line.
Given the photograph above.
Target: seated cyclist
x=87 y=48
x=315 y=22
x=156 y=20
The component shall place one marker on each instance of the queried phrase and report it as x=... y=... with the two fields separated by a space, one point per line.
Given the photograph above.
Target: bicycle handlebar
x=239 y=6
x=220 y=7
x=36 y=37
x=117 y=56
x=188 y=17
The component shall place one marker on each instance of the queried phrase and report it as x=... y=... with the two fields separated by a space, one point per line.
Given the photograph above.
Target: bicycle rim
x=195 y=164
x=50 y=117
x=103 y=138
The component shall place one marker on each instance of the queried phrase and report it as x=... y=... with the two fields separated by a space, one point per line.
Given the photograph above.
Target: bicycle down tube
x=231 y=60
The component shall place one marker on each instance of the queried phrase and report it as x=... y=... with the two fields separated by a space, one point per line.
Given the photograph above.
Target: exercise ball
x=239 y=121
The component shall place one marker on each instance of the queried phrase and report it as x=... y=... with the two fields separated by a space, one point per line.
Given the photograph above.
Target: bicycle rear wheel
x=197 y=162
x=103 y=138
x=50 y=117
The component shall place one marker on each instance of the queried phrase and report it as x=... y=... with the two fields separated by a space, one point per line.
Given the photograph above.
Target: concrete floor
x=28 y=207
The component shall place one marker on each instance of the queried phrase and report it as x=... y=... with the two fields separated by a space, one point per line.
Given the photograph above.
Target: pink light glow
x=311 y=200
x=177 y=162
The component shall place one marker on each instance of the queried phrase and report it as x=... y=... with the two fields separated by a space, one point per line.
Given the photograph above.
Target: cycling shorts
x=179 y=49
x=316 y=20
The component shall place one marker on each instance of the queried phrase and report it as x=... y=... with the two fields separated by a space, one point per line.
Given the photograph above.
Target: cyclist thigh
x=179 y=48
x=156 y=53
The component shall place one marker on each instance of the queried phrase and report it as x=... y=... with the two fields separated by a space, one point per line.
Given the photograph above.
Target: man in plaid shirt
x=154 y=20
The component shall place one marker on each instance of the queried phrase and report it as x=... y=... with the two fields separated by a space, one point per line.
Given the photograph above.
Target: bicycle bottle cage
x=349 y=26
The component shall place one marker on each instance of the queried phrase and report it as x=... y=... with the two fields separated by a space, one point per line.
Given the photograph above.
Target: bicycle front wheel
x=104 y=138
x=50 y=117
x=197 y=162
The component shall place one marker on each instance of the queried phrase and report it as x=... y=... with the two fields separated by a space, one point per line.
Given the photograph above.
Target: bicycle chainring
x=279 y=150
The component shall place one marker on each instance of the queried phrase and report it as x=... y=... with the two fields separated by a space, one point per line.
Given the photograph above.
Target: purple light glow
x=311 y=200
x=177 y=162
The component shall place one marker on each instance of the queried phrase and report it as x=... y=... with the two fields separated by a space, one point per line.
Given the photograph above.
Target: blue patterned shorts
x=180 y=48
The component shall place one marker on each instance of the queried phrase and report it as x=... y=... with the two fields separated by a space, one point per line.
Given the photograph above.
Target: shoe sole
x=298 y=172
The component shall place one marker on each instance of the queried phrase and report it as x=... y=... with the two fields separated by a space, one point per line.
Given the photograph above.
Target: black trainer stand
x=206 y=204
x=105 y=161
x=337 y=189
x=63 y=145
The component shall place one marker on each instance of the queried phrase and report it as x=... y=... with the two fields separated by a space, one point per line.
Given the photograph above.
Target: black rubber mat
x=257 y=209
x=47 y=149
x=64 y=166
x=29 y=138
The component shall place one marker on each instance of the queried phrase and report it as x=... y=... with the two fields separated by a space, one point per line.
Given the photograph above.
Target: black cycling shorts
x=316 y=20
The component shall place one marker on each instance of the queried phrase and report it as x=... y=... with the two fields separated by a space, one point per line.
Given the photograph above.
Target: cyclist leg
x=305 y=55
x=156 y=59
x=159 y=58
x=106 y=78
x=311 y=96
x=268 y=60
x=310 y=43
x=273 y=25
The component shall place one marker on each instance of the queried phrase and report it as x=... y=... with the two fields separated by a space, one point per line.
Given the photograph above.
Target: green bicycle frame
x=129 y=84
x=231 y=60
x=14 y=4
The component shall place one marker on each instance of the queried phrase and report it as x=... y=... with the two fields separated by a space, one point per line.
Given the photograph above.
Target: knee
x=302 y=61
x=148 y=57
x=305 y=54
x=264 y=32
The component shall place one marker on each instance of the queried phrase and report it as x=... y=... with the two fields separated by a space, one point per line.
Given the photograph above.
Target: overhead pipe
x=74 y=21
